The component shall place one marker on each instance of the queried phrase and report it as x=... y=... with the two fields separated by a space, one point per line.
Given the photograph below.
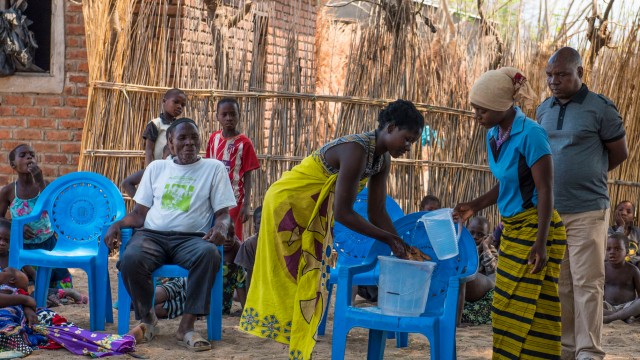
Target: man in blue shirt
x=587 y=141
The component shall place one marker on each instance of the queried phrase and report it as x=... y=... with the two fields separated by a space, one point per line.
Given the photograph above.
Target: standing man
x=587 y=140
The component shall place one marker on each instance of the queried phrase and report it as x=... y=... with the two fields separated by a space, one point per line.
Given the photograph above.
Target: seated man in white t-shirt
x=176 y=203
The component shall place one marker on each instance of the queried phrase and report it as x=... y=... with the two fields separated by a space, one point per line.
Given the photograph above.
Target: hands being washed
x=415 y=254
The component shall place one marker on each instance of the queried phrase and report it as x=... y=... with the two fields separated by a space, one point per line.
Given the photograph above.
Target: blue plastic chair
x=353 y=248
x=437 y=323
x=214 y=319
x=79 y=205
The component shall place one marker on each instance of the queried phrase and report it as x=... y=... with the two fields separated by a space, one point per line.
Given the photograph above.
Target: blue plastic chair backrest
x=462 y=265
x=353 y=247
x=79 y=204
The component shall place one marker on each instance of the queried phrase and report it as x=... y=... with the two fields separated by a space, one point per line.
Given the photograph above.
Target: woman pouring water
x=526 y=307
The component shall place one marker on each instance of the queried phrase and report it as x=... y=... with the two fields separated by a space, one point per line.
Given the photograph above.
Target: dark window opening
x=40 y=13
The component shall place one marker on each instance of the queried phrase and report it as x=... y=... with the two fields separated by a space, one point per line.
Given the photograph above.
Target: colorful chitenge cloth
x=478 y=312
x=54 y=332
x=526 y=307
x=288 y=289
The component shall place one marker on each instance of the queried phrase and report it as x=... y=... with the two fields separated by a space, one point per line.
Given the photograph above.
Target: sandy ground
x=621 y=341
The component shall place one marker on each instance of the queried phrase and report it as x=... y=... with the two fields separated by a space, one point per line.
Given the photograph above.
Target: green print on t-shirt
x=177 y=197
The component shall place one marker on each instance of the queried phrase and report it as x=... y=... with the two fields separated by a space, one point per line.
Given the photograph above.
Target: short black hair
x=481 y=220
x=228 y=100
x=5 y=224
x=567 y=54
x=620 y=237
x=427 y=199
x=401 y=113
x=175 y=124
x=173 y=92
x=257 y=212
x=12 y=153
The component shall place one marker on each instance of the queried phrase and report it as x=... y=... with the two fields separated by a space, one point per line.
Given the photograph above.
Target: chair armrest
x=345 y=280
x=125 y=235
x=17 y=236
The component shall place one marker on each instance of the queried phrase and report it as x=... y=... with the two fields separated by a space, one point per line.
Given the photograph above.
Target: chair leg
x=96 y=303
x=214 y=320
x=375 y=349
x=338 y=342
x=323 y=321
x=43 y=275
x=402 y=340
x=124 y=307
x=108 y=307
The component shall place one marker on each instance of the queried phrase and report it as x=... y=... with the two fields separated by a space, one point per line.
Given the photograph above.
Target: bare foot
x=144 y=333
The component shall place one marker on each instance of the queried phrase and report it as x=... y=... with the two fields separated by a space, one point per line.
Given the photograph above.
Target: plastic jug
x=403 y=286
x=441 y=230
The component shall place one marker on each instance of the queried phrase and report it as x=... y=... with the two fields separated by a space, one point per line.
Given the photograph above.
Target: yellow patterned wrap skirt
x=288 y=289
x=526 y=307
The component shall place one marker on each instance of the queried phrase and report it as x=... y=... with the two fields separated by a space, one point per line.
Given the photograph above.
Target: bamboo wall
x=303 y=77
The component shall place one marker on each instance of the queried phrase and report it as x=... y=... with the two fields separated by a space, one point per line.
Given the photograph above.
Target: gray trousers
x=149 y=249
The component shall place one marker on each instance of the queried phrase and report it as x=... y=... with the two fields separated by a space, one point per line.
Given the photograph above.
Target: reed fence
x=304 y=75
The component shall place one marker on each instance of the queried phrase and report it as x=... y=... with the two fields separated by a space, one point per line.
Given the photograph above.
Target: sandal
x=193 y=341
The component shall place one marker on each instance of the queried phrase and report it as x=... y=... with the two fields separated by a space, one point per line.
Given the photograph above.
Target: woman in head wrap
x=526 y=307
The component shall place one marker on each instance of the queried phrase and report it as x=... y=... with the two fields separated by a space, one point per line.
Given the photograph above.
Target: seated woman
x=24 y=329
x=477 y=295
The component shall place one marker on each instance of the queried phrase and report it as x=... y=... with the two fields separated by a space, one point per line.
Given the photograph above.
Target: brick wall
x=51 y=123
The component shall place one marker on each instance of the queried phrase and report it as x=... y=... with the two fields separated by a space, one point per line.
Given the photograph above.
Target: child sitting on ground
x=429 y=203
x=154 y=135
x=621 y=283
x=624 y=218
x=25 y=329
x=236 y=151
x=247 y=253
x=234 y=276
x=20 y=197
x=477 y=294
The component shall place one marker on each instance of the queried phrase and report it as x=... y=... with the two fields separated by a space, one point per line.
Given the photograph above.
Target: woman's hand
x=538 y=257
x=463 y=211
x=403 y=251
x=399 y=247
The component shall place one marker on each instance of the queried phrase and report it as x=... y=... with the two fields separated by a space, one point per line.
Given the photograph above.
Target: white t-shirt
x=184 y=197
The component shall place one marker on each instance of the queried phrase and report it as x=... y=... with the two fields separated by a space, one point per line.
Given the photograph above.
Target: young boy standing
x=154 y=135
x=236 y=151
x=621 y=282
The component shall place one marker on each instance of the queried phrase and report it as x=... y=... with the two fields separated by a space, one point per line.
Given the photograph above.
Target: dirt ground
x=621 y=341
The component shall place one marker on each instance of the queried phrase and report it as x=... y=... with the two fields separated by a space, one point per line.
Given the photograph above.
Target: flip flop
x=193 y=341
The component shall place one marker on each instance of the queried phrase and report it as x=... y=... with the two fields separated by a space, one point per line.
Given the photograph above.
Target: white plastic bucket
x=441 y=230
x=403 y=286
